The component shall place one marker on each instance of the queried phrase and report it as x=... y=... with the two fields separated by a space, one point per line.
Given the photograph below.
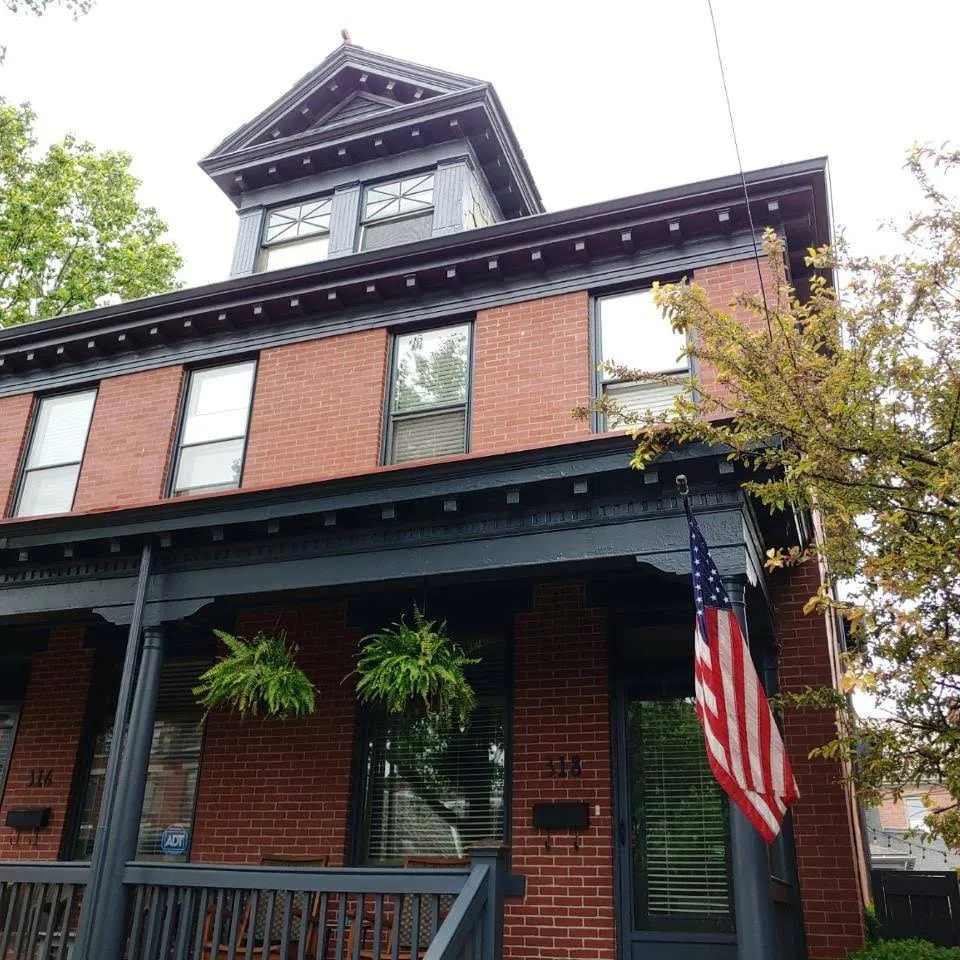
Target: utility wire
x=743 y=179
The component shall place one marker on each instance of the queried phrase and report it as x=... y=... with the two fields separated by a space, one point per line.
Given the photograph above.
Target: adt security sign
x=173 y=840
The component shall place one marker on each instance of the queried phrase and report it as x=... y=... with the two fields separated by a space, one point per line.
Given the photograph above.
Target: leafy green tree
x=72 y=233
x=849 y=406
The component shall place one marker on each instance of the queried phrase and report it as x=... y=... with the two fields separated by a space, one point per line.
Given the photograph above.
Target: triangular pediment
x=350 y=85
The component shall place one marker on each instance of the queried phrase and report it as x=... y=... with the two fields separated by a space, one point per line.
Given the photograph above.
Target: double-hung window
x=397 y=212
x=213 y=436
x=916 y=813
x=429 y=392
x=52 y=465
x=297 y=234
x=633 y=333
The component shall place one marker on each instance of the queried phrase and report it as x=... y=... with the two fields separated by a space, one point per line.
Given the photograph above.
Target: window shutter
x=683 y=814
x=430 y=435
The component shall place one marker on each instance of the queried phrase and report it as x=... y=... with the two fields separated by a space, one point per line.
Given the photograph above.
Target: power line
x=736 y=147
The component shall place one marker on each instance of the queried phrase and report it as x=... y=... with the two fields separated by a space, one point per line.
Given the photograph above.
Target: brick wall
x=561 y=705
x=829 y=853
x=48 y=737
x=531 y=368
x=272 y=787
x=14 y=419
x=131 y=434
x=317 y=410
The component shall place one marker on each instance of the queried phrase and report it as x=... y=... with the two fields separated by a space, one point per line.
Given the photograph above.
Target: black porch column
x=752 y=892
x=108 y=920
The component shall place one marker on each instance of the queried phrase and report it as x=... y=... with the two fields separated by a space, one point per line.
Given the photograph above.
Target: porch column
x=752 y=895
x=108 y=921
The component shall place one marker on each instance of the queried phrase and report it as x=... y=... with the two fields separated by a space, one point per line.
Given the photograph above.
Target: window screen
x=633 y=333
x=214 y=434
x=428 y=405
x=52 y=466
x=297 y=234
x=397 y=212
x=434 y=787
x=680 y=832
x=174 y=766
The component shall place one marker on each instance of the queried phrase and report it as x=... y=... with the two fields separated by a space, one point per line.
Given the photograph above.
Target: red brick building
x=373 y=412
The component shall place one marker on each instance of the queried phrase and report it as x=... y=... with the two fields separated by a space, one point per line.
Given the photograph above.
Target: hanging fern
x=402 y=666
x=257 y=676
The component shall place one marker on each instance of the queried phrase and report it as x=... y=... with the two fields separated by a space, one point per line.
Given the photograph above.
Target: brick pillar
x=282 y=788
x=561 y=705
x=829 y=849
x=48 y=738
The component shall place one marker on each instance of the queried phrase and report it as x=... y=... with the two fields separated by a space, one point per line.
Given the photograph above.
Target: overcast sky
x=607 y=98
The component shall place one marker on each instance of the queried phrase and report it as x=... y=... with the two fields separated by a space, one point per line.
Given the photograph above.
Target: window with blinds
x=9 y=719
x=171 y=786
x=433 y=787
x=57 y=443
x=680 y=832
x=297 y=234
x=213 y=437
x=632 y=332
x=397 y=212
x=429 y=391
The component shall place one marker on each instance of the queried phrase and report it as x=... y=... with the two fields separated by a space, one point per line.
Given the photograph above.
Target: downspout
x=112 y=774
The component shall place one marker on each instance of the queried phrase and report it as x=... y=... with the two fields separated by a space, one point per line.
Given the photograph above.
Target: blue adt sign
x=173 y=841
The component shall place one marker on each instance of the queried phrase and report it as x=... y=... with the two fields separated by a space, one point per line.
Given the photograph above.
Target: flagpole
x=750 y=864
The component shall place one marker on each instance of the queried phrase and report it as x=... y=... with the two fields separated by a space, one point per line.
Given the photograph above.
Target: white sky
x=607 y=98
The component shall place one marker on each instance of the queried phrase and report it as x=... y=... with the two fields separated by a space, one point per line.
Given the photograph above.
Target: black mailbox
x=32 y=818
x=561 y=816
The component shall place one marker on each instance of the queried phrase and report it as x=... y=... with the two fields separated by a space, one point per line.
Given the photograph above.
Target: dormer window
x=297 y=234
x=397 y=212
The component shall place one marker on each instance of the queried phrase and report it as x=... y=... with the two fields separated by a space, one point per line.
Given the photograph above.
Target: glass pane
x=61 y=431
x=679 y=830
x=9 y=716
x=209 y=467
x=423 y=437
x=916 y=812
x=48 y=491
x=389 y=233
x=635 y=334
x=218 y=403
x=431 y=368
x=434 y=787
x=300 y=220
x=172 y=773
x=402 y=196
x=294 y=254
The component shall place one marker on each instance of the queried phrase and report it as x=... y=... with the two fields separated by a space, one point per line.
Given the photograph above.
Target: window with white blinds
x=397 y=212
x=213 y=437
x=429 y=392
x=9 y=719
x=57 y=443
x=171 y=786
x=297 y=234
x=632 y=332
x=434 y=787
x=680 y=833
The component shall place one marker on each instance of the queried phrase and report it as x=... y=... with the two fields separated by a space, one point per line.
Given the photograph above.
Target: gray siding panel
x=248 y=242
x=449 y=189
x=344 y=217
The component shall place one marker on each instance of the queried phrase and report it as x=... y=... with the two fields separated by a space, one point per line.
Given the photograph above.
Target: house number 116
x=557 y=766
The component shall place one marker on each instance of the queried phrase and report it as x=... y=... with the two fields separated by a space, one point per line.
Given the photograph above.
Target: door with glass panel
x=675 y=894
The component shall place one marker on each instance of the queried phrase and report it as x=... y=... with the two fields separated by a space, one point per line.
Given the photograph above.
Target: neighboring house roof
x=906 y=850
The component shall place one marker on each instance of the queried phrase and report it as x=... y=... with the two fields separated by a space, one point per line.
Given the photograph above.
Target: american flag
x=743 y=743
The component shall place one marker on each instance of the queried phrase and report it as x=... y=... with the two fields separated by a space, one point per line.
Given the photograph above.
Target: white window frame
x=912 y=815
x=26 y=470
x=366 y=219
x=300 y=231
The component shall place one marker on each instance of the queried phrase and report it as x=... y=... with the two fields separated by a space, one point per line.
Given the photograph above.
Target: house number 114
x=557 y=765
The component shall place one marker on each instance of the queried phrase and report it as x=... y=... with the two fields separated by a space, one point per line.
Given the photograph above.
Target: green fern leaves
x=257 y=676
x=402 y=666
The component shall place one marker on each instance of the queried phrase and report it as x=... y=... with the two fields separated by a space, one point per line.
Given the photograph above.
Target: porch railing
x=39 y=908
x=201 y=912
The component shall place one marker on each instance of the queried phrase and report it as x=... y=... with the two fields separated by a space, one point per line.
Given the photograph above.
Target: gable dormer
x=367 y=152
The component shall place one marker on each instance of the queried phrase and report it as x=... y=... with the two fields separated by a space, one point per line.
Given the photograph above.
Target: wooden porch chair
x=364 y=930
x=268 y=943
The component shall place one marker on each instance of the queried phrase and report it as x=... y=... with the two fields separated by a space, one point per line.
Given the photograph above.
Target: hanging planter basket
x=407 y=668
x=257 y=677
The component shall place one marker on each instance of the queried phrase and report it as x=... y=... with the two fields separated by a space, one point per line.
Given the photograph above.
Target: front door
x=674 y=893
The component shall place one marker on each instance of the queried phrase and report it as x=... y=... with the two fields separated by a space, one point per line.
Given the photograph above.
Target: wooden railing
x=39 y=908
x=200 y=912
